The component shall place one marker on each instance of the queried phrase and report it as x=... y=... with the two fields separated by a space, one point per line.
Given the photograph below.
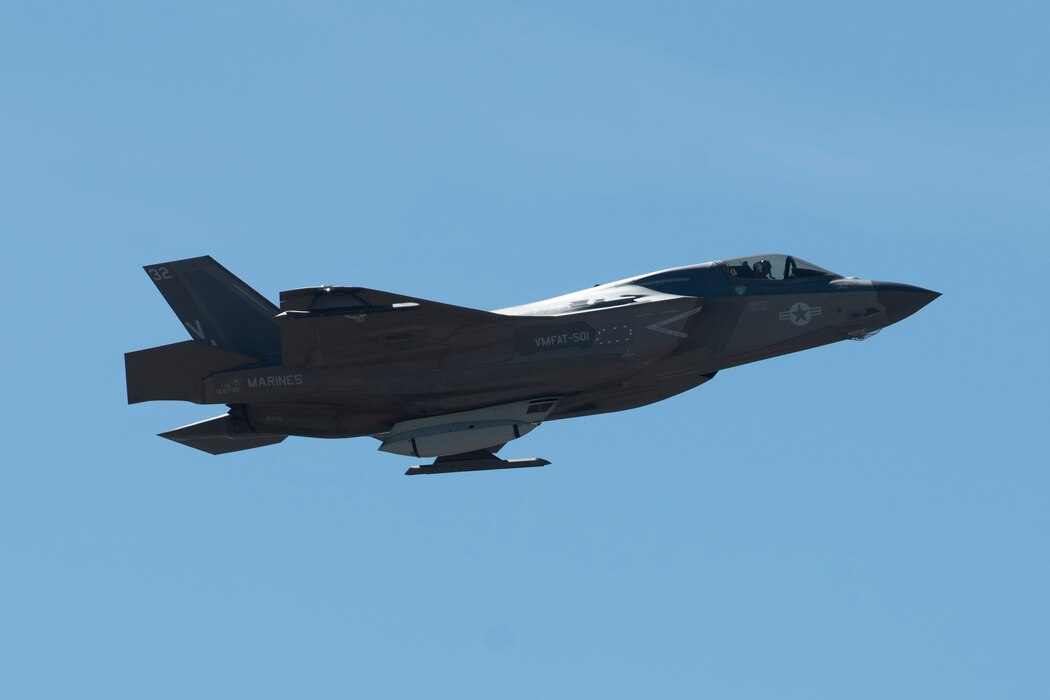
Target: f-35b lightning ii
x=434 y=380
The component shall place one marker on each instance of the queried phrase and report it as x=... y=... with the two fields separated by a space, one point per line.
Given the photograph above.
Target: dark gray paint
x=349 y=361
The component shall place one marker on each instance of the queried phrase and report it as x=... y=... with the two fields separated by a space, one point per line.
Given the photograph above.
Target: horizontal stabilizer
x=176 y=372
x=220 y=435
x=480 y=460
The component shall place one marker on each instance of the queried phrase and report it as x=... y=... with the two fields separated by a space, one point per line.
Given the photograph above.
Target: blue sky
x=861 y=520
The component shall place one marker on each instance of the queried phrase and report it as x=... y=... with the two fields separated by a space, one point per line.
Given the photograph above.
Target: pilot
x=764 y=270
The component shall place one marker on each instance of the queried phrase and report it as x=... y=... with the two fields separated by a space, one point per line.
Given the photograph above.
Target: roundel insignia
x=800 y=313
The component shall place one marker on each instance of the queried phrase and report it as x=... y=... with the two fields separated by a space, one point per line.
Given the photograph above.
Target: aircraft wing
x=335 y=325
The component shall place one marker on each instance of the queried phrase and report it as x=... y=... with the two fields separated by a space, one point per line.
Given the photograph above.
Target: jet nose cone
x=902 y=300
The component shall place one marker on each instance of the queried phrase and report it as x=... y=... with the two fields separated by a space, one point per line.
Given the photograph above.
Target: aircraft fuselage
x=608 y=348
x=432 y=379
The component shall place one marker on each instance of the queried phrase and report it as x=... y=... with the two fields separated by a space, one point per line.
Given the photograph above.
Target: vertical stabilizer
x=216 y=307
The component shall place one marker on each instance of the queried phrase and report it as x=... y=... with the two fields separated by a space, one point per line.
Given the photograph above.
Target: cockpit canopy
x=774 y=267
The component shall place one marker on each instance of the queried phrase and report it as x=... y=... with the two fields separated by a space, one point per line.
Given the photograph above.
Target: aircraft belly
x=465 y=387
x=631 y=394
x=319 y=420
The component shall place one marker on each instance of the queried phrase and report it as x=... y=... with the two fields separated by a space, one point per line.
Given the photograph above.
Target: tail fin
x=216 y=307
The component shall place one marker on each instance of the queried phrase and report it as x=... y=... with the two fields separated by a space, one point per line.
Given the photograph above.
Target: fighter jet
x=429 y=379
